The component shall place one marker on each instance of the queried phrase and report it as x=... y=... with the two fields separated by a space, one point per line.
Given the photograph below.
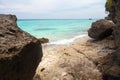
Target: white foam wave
x=67 y=41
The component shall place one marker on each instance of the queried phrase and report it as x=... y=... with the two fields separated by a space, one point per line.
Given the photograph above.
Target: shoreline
x=66 y=41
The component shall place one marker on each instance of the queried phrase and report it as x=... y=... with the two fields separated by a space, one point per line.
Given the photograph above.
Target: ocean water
x=56 y=30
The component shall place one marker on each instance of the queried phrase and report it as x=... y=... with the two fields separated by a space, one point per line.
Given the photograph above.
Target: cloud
x=53 y=8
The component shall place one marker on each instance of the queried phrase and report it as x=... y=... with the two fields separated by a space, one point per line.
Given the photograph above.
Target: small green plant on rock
x=110 y=6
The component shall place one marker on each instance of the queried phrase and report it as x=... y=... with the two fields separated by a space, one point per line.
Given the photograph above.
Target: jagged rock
x=110 y=66
x=101 y=29
x=116 y=34
x=44 y=40
x=116 y=13
x=116 y=19
x=20 y=53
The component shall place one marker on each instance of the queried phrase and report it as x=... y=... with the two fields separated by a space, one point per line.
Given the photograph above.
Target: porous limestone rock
x=20 y=53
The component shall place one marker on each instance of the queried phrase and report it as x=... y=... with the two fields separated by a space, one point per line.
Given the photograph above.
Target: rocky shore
x=78 y=60
x=93 y=57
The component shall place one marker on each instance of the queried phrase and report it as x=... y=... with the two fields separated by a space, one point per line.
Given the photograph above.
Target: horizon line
x=61 y=19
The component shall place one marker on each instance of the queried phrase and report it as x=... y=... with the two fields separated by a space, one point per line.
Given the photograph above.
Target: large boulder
x=101 y=29
x=20 y=53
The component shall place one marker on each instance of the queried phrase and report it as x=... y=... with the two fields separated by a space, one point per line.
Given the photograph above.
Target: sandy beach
x=78 y=58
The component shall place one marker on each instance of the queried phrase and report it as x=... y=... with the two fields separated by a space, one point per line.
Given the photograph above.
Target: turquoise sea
x=55 y=29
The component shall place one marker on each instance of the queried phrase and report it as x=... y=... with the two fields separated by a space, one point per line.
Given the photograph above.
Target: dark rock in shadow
x=20 y=53
x=110 y=66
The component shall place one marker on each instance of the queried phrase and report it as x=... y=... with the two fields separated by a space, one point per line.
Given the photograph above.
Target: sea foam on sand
x=67 y=41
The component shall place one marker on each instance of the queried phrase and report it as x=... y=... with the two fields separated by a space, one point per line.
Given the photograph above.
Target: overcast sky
x=53 y=9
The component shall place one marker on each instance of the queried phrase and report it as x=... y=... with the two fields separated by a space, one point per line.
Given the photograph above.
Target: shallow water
x=56 y=29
